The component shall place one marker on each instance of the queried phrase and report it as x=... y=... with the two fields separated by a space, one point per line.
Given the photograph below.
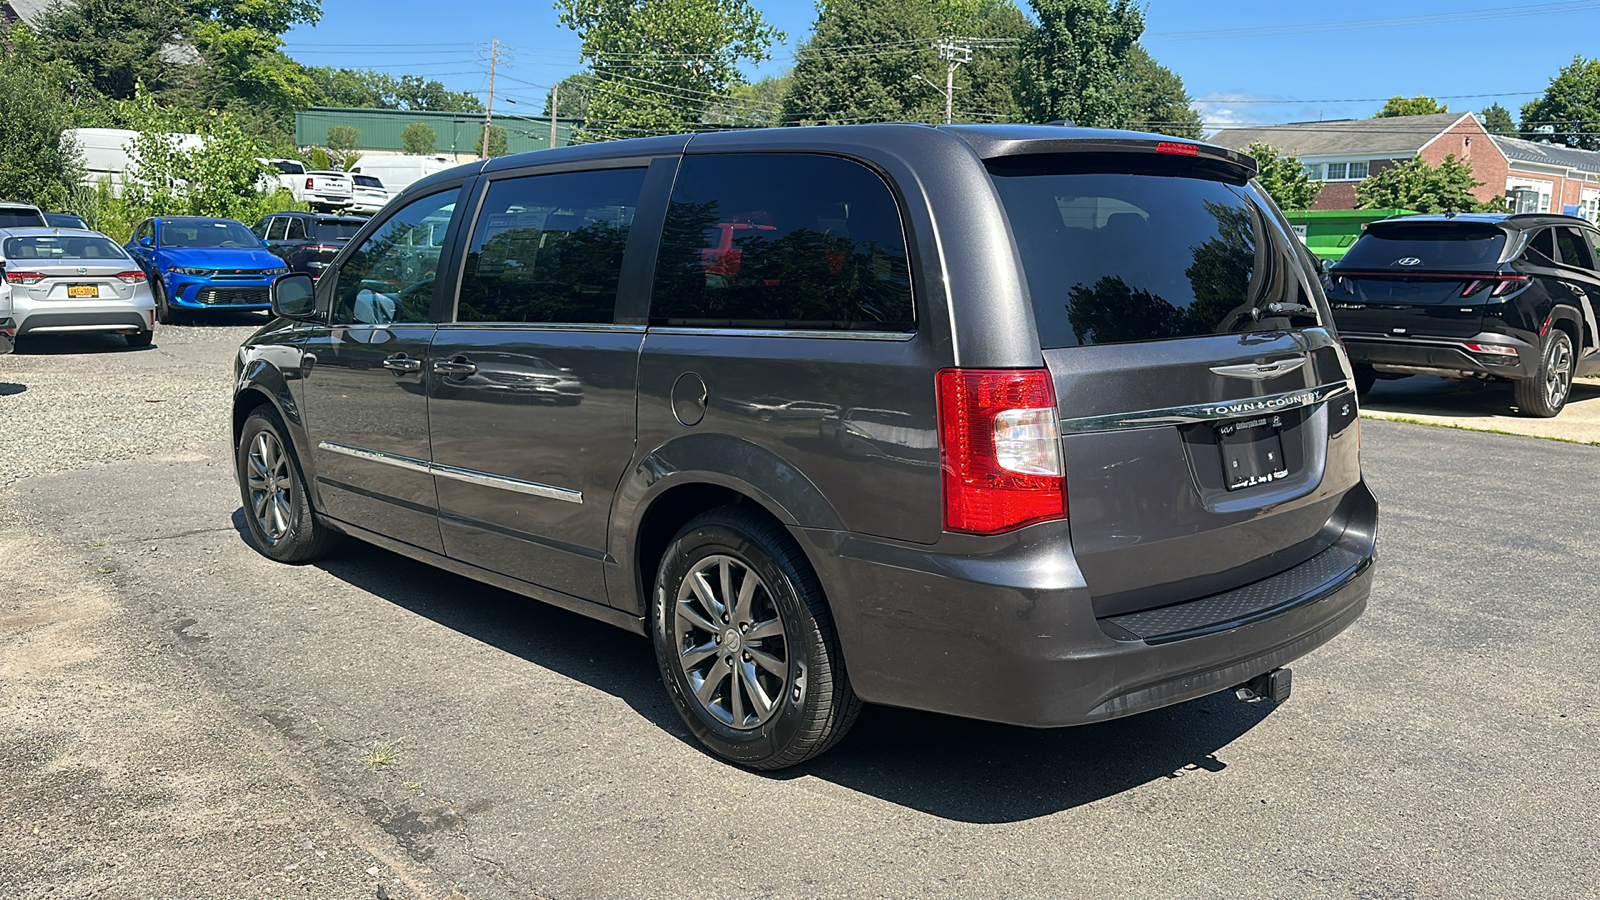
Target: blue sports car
x=196 y=263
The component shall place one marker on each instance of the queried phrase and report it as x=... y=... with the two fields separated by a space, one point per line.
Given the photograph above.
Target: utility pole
x=488 y=118
x=555 y=103
x=954 y=55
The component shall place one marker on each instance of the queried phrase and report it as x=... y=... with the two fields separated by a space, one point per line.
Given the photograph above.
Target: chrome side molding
x=1206 y=412
x=470 y=476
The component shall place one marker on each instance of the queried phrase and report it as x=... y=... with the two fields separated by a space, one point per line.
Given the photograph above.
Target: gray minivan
x=1032 y=424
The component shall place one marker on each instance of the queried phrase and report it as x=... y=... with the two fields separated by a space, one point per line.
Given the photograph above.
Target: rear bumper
x=66 y=318
x=1442 y=356
x=1011 y=636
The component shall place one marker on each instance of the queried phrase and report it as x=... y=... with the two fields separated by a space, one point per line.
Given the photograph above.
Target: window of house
x=1336 y=171
x=549 y=248
x=1358 y=170
x=1314 y=171
x=783 y=241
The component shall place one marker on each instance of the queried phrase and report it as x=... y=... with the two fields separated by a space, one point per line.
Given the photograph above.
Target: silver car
x=66 y=281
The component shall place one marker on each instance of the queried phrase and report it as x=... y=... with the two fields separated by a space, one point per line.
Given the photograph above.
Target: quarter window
x=1543 y=247
x=549 y=248
x=389 y=279
x=782 y=241
x=1574 y=250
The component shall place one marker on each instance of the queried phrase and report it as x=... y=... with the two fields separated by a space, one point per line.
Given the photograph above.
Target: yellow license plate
x=82 y=290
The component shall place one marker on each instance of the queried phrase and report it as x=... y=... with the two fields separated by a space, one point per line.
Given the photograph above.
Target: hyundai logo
x=1408 y=261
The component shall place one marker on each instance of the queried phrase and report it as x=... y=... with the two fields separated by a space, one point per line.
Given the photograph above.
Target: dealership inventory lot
x=395 y=718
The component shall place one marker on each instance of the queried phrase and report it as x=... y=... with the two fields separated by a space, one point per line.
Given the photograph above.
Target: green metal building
x=1328 y=233
x=458 y=133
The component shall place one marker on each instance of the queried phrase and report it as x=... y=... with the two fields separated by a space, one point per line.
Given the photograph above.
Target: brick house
x=1552 y=177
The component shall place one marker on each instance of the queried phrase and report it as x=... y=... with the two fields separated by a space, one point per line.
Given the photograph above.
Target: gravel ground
x=69 y=401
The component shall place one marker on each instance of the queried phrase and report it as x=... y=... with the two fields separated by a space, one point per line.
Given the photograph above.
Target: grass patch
x=380 y=754
x=104 y=570
x=1386 y=417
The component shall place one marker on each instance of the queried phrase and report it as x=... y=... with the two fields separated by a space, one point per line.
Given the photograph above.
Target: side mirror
x=147 y=242
x=294 y=296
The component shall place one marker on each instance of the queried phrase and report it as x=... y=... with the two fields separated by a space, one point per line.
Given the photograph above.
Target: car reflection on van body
x=827 y=450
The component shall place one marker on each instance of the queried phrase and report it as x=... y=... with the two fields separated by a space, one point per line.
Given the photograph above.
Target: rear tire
x=276 y=506
x=1366 y=377
x=1545 y=395
x=734 y=588
x=140 y=339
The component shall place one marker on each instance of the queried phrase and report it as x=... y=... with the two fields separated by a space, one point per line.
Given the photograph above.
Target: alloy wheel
x=1558 y=374
x=271 y=486
x=730 y=642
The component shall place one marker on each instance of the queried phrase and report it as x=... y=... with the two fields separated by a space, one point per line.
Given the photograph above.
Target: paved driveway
x=184 y=718
x=1485 y=407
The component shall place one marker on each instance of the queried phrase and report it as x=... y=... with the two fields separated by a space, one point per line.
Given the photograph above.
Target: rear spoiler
x=1230 y=165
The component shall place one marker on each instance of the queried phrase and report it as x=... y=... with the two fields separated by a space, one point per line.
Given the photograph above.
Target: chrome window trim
x=469 y=476
x=1206 y=412
x=540 y=326
x=786 y=333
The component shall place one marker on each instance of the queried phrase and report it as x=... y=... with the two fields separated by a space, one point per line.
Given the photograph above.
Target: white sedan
x=70 y=281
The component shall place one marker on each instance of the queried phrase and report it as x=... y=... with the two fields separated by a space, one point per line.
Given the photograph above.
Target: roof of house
x=1549 y=154
x=28 y=10
x=1375 y=138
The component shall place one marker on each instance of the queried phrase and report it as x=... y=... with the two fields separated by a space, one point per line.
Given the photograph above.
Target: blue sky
x=1243 y=61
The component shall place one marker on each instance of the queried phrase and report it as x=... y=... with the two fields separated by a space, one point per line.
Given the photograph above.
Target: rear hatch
x=1206 y=418
x=1429 y=278
x=330 y=235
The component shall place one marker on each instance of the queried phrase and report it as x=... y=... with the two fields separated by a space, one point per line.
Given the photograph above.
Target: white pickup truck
x=328 y=191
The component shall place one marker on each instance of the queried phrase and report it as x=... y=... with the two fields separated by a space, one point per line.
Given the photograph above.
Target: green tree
x=419 y=139
x=759 y=104
x=342 y=143
x=1497 y=120
x=1570 y=106
x=989 y=88
x=1420 y=105
x=499 y=143
x=1416 y=185
x=367 y=89
x=1284 y=177
x=572 y=97
x=867 y=61
x=1155 y=98
x=115 y=44
x=35 y=165
x=658 y=63
x=241 y=42
x=1074 y=58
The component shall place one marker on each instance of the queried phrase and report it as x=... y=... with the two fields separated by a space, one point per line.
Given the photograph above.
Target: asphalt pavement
x=183 y=718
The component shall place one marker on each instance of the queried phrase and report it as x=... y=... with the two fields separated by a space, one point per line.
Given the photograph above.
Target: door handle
x=455 y=368
x=403 y=363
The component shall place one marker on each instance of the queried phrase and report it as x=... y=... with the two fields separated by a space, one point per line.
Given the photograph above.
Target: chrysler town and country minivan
x=1031 y=424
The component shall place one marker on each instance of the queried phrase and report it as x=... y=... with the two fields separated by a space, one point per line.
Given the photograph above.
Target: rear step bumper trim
x=1206 y=412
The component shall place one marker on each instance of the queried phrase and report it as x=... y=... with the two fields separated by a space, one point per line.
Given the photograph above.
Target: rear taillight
x=325 y=248
x=310 y=183
x=1178 y=149
x=1503 y=284
x=1493 y=349
x=1000 y=449
x=132 y=277
x=24 y=277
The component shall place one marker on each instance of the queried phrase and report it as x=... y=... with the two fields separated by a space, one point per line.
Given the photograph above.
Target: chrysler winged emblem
x=1261 y=370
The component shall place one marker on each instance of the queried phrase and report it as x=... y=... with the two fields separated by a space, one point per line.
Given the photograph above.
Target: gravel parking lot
x=181 y=718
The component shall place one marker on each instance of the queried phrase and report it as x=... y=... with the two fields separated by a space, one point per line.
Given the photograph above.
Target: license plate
x=83 y=290
x=1252 y=452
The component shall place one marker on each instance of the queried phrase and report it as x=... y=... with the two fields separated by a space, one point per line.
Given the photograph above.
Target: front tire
x=1545 y=395
x=276 y=506
x=165 y=314
x=746 y=645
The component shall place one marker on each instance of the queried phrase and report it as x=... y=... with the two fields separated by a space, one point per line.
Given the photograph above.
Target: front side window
x=791 y=241
x=296 y=229
x=145 y=231
x=389 y=279
x=549 y=248
x=277 y=229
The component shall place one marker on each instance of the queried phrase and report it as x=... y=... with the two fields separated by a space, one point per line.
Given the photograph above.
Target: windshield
x=21 y=218
x=54 y=247
x=1432 y=245
x=1112 y=257
x=336 y=229
x=216 y=235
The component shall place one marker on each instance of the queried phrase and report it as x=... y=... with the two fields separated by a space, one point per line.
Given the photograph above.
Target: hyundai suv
x=1032 y=424
x=1490 y=297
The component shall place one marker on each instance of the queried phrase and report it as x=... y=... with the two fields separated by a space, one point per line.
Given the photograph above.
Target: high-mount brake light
x=1000 y=449
x=1178 y=149
x=25 y=277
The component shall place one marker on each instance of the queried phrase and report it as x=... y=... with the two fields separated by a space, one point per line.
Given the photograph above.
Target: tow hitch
x=1272 y=686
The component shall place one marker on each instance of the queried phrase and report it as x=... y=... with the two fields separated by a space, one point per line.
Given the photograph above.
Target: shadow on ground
x=1464 y=398
x=9 y=388
x=948 y=767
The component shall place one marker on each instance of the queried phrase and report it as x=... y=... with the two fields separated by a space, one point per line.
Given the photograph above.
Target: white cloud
x=1233 y=109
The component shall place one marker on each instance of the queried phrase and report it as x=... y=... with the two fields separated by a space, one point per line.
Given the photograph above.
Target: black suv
x=1497 y=297
x=1033 y=424
x=306 y=241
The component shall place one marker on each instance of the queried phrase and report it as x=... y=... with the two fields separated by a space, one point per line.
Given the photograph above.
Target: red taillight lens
x=132 y=277
x=1000 y=449
x=24 y=277
x=310 y=183
x=1507 y=285
x=1179 y=149
x=1503 y=284
x=1492 y=349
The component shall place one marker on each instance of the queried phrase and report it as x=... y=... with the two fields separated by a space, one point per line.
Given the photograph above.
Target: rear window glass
x=20 y=218
x=334 y=229
x=62 y=247
x=367 y=181
x=782 y=241
x=1117 y=258
x=1432 y=245
x=290 y=168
